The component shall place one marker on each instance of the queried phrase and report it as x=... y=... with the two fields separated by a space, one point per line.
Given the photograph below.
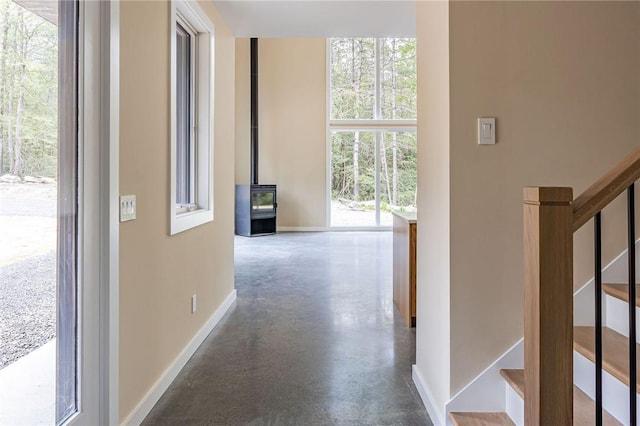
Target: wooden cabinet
x=404 y=265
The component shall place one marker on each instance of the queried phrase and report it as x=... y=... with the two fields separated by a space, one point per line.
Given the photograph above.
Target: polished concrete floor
x=313 y=339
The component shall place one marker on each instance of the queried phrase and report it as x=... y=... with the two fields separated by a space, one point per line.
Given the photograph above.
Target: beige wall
x=243 y=112
x=293 y=127
x=158 y=272
x=563 y=81
x=433 y=254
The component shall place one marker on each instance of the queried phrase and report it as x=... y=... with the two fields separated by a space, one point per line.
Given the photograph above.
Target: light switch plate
x=127 y=207
x=486 y=131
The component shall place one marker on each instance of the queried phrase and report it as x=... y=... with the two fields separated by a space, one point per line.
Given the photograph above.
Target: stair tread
x=621 y=291
x=481 y=419
x=583 y=406
x=515 y=378
x=615 y=351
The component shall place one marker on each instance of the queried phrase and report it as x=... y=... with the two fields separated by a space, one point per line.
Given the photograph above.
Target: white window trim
x=193 y=44
x=183 y=218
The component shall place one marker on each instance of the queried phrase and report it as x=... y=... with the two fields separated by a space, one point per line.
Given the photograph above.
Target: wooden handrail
x=551 y=216
x=606 y=189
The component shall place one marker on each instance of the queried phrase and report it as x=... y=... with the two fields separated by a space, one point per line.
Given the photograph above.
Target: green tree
x=355 y=79
x=28 y=92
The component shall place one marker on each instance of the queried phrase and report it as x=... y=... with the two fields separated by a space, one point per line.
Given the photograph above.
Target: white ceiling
x=319 y=18
x=46 y=9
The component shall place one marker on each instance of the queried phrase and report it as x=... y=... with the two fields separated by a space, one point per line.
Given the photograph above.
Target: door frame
x=98 y=219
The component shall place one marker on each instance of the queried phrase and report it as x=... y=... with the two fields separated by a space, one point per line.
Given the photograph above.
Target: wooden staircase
x=614 y=362
x=552 y=342
x=583 y=407
x=614 y=350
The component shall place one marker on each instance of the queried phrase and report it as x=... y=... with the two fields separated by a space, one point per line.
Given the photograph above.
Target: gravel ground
x=27 y=268
x=28 y=312
x=28 y=199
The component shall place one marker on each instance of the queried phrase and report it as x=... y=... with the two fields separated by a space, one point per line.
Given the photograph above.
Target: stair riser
x=617 y=316
x=615 y=393
x=515 y=405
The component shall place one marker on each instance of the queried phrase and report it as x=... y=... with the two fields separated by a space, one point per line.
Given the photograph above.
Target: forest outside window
x=191 y=117
x=372 y=127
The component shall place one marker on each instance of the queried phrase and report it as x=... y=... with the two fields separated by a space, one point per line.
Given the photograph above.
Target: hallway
x=313 y=339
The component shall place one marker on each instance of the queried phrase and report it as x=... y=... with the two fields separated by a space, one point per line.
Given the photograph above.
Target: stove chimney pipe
x=254 y=111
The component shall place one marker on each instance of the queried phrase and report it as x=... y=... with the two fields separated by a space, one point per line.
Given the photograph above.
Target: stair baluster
x=597 y=225
x=551 y=216
x=632 y=305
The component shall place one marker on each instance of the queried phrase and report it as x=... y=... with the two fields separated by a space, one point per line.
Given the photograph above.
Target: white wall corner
x=436 y=415
x=159 y=387
x=487 y=391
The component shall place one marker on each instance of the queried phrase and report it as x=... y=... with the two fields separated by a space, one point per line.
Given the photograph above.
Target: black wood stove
x=255 y=210
x=256 y=204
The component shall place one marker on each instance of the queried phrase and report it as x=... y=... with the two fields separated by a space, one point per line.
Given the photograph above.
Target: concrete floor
x=314 y=339
x=28 y=389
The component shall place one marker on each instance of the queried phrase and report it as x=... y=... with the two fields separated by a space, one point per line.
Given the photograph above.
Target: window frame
x=376 y=125
x=200 y=209
x=183 y=26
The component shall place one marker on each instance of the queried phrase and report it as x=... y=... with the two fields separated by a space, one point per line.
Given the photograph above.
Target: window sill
x=186 y=220
x=186 y=208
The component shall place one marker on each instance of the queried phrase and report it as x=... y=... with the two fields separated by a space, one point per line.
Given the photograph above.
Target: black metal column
x=632 y=304
x=254 y=111
x=598 y=314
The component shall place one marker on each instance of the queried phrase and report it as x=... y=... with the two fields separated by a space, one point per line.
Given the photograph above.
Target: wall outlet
x=127 y=207
x=193 y=304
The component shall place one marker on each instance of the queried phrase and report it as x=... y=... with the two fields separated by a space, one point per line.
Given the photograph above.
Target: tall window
x=372 y=123
x=185 y=147
x=191 y=117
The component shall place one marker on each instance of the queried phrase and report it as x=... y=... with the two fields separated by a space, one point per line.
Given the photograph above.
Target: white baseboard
x=427 y=399
x=334 y=229
x=159 y=387
x=361 y=228
x=301 y=229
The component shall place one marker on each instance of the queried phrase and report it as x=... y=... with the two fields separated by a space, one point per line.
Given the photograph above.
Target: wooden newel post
x=548 y=305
